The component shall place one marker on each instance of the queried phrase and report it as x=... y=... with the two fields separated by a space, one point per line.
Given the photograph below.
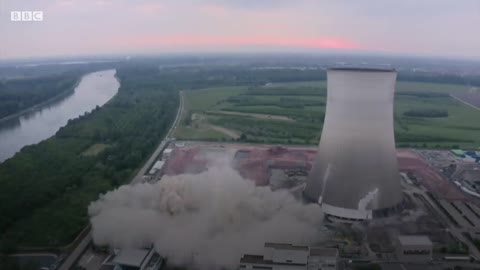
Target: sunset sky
x=93 y=27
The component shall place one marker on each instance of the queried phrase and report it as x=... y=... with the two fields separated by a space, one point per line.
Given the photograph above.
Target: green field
x=293 y=113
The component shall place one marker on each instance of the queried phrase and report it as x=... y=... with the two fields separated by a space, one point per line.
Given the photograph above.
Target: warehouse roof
x=258 y=259
x=158 y=165
x=131 y=257
x=365 y=69
x=406 y=240
x=321 y=251
x=285 y=246
x=458 y=151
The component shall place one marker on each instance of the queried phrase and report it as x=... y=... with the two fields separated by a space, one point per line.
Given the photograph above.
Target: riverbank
x=42 y=104
x=95 y=89
x=65 y=181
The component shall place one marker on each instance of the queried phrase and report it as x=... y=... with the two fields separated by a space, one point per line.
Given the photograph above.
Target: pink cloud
x=150 y=8
x=207 y=41
x=214 y=10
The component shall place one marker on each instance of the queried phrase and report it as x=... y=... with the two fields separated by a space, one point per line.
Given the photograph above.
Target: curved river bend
x=94 y=89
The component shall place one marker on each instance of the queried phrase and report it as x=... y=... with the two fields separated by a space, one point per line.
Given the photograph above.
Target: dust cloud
x=204 y=221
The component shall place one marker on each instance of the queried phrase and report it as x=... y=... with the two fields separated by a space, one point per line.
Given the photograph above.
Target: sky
x=445 y=28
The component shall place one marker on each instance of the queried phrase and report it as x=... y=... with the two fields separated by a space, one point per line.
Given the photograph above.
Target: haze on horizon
x=442 y=28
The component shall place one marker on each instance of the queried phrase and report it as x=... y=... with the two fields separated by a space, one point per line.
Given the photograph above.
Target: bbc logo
x=26 y=16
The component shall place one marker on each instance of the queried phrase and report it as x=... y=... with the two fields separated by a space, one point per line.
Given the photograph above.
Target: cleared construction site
x=434 y=205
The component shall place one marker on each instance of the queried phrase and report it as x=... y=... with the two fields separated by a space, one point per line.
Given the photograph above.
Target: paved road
x=465 y=102
x=80 y=249
x=77 y=252
x=139 y=177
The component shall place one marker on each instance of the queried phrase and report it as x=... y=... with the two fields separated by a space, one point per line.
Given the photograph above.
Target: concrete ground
x=38 y=259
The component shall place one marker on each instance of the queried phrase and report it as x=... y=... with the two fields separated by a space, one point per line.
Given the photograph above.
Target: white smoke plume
x=205 y=221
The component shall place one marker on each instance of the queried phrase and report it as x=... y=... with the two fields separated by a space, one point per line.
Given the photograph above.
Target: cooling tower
x=355 y=175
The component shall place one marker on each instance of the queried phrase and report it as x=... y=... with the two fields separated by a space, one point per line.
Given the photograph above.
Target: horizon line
x=277 y=52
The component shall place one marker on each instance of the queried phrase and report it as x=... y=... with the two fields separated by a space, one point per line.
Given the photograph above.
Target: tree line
x=429 y=113
x=50 y=184
x=20 y=94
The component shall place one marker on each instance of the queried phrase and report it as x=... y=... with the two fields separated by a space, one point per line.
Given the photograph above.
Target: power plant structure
x=355 y=175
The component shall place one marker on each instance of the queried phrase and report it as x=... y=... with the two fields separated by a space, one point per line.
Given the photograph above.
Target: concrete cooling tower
x=355 y=175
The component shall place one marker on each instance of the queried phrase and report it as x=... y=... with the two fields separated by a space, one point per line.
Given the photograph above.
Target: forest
x=17 y=95
x=51 y=184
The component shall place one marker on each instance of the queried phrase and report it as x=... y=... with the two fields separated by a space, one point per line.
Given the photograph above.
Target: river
x=33 y=127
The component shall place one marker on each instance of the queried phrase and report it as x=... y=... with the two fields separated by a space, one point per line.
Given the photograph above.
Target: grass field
x=197 y=133
x=293 y=113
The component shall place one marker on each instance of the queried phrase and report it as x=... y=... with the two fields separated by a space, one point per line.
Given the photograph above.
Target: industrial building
x=136 y=259
x=414 y=248
x=463 y=214
x=286 y=256
x=179 y=144
x=458 y=153
x=355 y=175
x=322 y=258
x=167 y=153
x=473 y=156
x=158 y=166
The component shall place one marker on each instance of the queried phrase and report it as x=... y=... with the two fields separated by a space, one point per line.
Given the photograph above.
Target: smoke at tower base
x=205 y=221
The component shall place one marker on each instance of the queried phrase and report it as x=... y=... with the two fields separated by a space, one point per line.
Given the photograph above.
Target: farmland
x=425 y=114
x=102 y=149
